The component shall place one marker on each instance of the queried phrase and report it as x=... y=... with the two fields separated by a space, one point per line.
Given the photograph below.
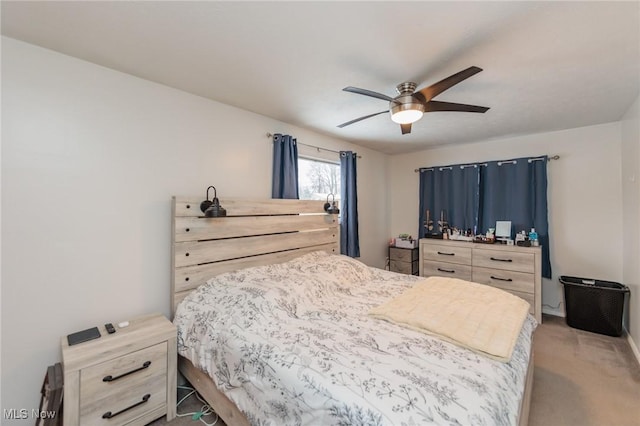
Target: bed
x=273 y=329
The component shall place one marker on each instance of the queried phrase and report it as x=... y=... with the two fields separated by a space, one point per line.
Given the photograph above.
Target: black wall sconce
x=212 y=208
x=331 y=208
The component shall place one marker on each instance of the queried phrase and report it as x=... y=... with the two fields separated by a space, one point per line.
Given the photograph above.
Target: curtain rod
x=555 y=157
x=270 y=135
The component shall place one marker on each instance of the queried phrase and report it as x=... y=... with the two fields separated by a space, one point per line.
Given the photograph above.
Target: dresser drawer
x=127 y=387
x=449 y=254
x=507 y=260
x=506 y=280
x=443 y=269
x=529 y=297
x=403 y=255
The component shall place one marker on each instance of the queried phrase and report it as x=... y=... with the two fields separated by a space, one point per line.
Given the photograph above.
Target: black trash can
x=594 y=305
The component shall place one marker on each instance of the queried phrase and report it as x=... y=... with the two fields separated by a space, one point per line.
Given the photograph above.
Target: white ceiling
x=547 y=65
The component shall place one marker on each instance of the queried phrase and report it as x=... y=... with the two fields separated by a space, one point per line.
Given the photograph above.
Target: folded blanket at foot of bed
x=482 y=318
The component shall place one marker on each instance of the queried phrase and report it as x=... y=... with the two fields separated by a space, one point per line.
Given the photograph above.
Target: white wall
x=90 y=159
x=584 y=197
x=631 y=216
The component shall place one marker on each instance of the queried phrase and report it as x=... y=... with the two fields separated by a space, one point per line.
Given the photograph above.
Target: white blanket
x=475 y=316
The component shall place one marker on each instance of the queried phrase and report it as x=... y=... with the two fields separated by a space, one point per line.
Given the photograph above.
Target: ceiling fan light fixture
x=409 y=106
x=407 y=113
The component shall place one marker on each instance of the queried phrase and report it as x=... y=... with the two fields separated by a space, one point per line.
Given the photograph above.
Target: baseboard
x=551 y=311
x=634 y=348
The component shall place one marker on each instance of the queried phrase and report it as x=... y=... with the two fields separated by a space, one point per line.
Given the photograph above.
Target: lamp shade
x=407 y=116
x=407 y=113
x=212 y=208
x=331 y=208
x=215 y=209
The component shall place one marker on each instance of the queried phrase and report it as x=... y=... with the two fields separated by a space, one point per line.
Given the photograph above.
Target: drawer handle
x=449 y=271
x=501 y=260
x=109 y=415
x=501 y=279
x=446 y=254
x=110 y=378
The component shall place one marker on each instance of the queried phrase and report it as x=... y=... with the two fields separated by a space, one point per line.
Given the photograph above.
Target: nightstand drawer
x=449 y=270
x=111 y=377
x=404 y=267
x=449 y=254
x=402 y=254
x=123 y=384
x=131 y=403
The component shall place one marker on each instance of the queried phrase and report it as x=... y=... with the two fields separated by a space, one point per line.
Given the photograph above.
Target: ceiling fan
x=409 y=105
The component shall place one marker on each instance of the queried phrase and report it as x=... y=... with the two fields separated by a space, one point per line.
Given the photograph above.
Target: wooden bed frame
x=254 y=233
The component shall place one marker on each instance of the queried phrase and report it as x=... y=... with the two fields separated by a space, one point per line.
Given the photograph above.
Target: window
x=317 y=179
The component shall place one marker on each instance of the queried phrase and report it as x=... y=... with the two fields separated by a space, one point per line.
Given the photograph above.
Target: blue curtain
x=349 y=239
x=516 y=190
x=285 y=167
x=450 y=192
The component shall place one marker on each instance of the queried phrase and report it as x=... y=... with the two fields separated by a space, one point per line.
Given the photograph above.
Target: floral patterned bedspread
x=292 y=344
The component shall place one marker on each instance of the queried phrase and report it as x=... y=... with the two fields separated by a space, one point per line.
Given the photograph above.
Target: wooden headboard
x=254 y=232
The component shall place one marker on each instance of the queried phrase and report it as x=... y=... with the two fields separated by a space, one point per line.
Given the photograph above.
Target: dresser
x=404 y=260
x=124 y=378
x=511 y=268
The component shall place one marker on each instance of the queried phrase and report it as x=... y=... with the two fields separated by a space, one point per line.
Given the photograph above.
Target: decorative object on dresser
x=403 y=260
x=126 y=377
x=405 y=241
x=511 y=268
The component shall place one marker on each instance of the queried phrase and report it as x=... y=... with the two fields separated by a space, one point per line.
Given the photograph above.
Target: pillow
x=333 y=266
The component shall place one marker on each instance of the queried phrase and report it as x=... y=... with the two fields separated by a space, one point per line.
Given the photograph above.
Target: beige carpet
x=583 y=378
x=580 y=379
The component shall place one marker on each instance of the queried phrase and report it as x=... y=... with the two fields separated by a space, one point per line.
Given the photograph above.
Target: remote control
x=110 y=328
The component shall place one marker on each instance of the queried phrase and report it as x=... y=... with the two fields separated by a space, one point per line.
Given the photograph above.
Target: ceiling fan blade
x=406 y=128
x=435 y=89
x=368 y=93
x=432 y=106
x=361 y=118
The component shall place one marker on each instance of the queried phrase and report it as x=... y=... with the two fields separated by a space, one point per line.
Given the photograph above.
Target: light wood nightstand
x=124 y=378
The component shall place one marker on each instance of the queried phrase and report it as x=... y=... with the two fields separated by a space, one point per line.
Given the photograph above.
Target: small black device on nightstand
x=83 y=336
